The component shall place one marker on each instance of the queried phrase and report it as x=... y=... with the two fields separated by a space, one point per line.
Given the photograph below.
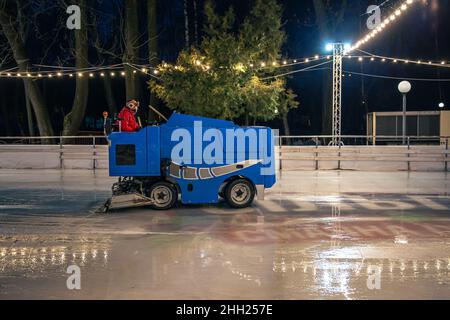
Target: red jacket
x=128 y=124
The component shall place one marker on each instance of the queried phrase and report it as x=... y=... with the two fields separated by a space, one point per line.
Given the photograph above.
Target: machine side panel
x=153 y=151
x=204 y=157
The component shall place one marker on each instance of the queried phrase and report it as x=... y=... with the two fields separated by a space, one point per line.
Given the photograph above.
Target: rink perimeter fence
x=365 y=153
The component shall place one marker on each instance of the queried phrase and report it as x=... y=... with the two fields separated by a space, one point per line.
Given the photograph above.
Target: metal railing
x=310 y=140
x=314 y=149
x=320 y=149
x=361 y=140
x=55 y=140
x=67 y=148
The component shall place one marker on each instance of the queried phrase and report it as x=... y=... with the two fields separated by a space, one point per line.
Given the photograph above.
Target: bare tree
x=29 y=113
x=9 y=21
x=73 y=119
x=131 y=41
x=195 y=23
x=186 y=23
x=152 y=43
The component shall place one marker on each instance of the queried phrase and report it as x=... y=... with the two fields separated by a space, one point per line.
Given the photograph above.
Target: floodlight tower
x=338 y=53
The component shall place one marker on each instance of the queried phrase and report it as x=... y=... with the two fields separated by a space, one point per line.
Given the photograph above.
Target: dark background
x=422 y=34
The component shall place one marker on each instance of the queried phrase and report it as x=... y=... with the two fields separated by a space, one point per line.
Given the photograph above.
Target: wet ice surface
x=319 y=235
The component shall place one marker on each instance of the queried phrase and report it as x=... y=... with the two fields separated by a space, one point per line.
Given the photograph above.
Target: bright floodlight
x=347 y=46
x=329 y=47
x=441 y=105
x=404 y=87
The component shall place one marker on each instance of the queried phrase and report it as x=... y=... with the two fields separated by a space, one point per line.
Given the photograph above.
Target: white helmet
x=133 y=105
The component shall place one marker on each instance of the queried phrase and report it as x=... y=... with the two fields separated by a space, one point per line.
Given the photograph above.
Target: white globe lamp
x=404 y=87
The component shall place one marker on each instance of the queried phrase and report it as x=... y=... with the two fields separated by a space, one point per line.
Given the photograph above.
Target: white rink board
x=358 y=158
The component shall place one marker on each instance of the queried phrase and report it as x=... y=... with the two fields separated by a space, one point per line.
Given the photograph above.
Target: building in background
x=421 y=126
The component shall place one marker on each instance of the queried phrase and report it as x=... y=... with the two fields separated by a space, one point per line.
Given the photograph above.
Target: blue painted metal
x=139 y=139
x=153 y=151
x=211 y=145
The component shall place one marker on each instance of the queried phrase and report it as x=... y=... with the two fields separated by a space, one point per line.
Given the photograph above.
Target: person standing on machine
x=127 y=117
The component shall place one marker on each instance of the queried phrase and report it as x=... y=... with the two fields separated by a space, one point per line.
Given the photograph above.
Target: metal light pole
x=404 y=87
x=338 y=53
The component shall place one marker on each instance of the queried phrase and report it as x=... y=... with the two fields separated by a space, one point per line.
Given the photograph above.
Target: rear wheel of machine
x=239 y=193
x=163 y=194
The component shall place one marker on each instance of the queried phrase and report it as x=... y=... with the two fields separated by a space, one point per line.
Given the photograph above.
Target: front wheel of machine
x=239 y=193
x=163 y=194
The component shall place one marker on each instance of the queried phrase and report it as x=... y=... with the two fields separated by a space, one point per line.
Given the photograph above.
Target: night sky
x=422 y=34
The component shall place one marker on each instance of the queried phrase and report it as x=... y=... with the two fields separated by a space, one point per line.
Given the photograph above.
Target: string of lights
x=379 y=6
x=91 y=72
x=310 y=68
x=394 y=78
x=383 y=26
x=424 y=62
x=118 y=69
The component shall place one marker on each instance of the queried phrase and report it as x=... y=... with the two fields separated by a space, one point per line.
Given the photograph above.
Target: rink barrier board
x=364 y=158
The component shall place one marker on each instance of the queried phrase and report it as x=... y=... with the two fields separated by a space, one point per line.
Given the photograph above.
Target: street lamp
x=441 y=105
x=404 y=87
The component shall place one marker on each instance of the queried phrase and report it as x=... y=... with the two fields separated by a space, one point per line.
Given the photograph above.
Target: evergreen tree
x=228 y=75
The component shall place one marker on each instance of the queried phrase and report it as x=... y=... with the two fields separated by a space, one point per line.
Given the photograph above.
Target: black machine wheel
x=239 y=193
x=163 y=194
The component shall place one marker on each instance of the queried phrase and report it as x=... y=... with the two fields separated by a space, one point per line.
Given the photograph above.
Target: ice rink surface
x=318 y=235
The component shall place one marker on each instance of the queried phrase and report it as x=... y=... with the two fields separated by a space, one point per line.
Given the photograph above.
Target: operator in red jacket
x=128 y=122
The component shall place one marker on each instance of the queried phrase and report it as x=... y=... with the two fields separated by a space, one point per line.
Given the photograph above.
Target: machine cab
x=135 y=153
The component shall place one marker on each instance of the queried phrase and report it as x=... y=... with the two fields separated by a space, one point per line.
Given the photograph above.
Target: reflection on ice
x=25 y=259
